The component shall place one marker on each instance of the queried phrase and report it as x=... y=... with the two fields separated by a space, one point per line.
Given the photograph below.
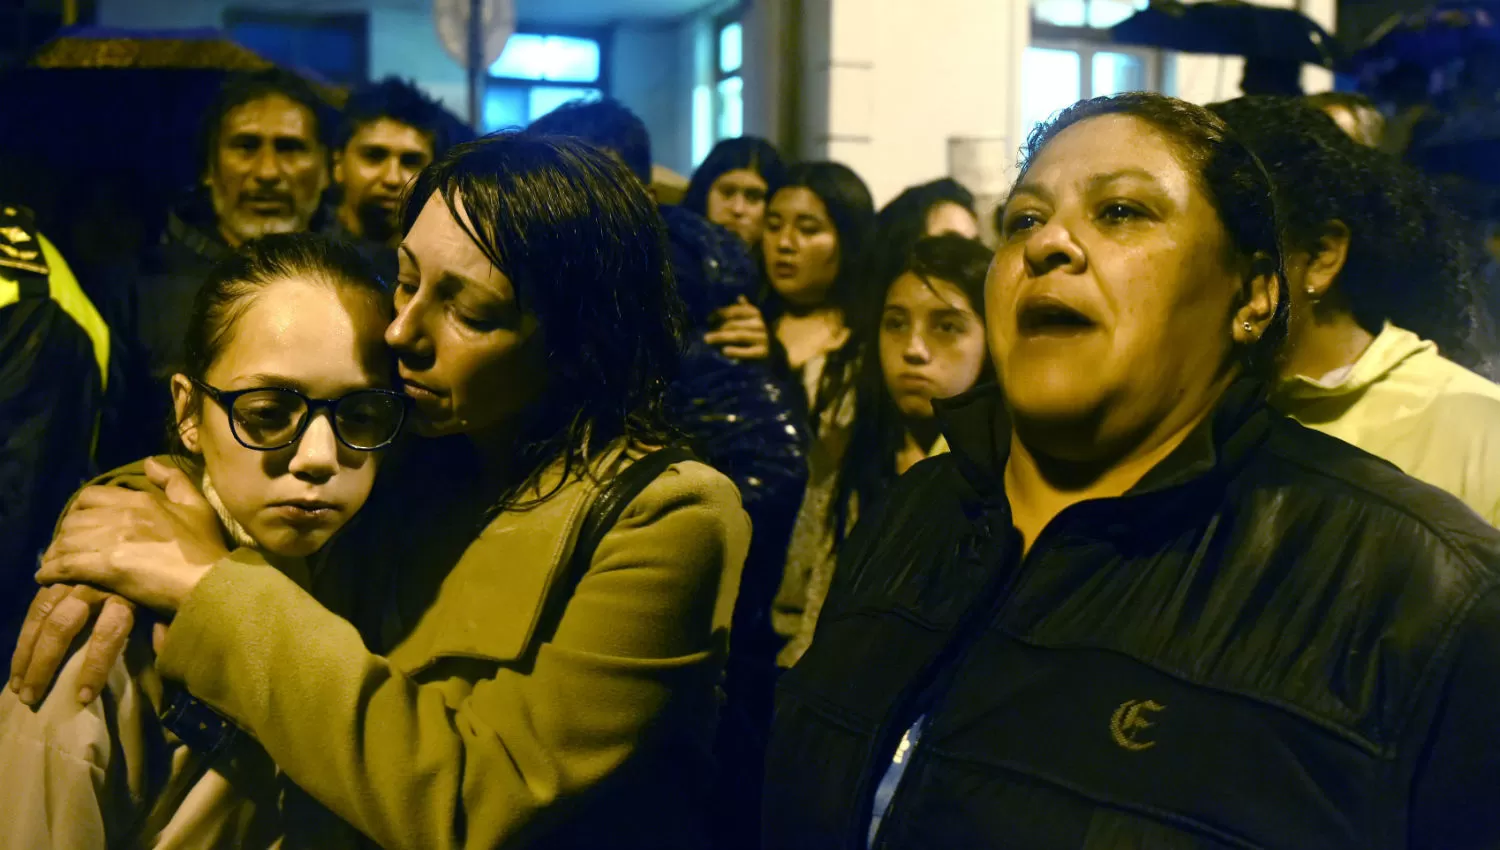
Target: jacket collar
x=1390 y=349
x=186 y=229
x=977 y=428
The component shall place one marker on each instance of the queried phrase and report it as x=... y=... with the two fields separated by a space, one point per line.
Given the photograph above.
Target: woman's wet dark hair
x=582 y=243
x=1231 y=176
x=233 y=283
x=1409 y=261
x=869 y=465
x=749 y=153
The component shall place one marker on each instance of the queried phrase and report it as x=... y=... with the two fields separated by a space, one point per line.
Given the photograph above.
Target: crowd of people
x=466 y=494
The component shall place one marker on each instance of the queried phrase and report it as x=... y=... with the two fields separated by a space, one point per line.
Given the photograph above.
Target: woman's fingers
x=75 y=560
x=106 y=643
x=733 y=337
x=174 y=484
x=54 y=636
x=42 y=606
x=109 y=497
x=746 y=352
x=739 y=312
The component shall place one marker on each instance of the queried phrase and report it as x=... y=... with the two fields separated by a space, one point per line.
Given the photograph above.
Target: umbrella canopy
x=104 y=47
x=1449 y=52
x=1230 y=27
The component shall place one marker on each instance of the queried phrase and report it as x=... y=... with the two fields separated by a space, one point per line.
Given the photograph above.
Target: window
x=1071 y=57
x=729 y=85
x=536 y=73
x=335 y=48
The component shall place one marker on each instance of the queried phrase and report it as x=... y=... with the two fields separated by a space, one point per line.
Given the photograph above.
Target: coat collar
x=977 y=427
x=1392 y=347
x=490 y=603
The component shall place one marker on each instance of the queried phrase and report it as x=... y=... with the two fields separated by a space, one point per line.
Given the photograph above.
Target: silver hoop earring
x=1248 y=327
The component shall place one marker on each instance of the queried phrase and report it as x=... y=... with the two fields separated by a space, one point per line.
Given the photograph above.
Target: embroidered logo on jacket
x=1129 y=722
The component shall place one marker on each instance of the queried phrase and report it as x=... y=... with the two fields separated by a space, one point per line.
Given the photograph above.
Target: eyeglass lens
x=273 y=418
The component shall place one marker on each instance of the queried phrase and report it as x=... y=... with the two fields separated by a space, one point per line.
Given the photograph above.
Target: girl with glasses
x=286 y=320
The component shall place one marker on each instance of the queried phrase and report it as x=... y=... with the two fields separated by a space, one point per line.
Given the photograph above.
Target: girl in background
x=926 y=343
x=733 y=185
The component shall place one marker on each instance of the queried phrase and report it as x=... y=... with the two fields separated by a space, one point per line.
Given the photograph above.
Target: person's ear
x=1262 y=296
x=1329 y=255
x=338 y=167
x=186 y=406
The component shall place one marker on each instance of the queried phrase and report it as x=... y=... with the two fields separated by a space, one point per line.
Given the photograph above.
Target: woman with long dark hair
x=537 y=610
x=818 y=228
x=817 y=232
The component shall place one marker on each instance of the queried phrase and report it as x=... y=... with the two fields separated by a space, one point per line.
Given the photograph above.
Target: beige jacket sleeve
x=444 y=763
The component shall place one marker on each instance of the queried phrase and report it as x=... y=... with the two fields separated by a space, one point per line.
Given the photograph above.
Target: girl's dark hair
x=903 y=221
x=1234 y=180
x=1409 y=257
x=868 y=467
x=233 y=283
x=583 y=245
x=852 y=211
x=749 y=153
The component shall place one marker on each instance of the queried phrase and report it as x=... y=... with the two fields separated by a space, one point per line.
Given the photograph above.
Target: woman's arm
x=438 y=764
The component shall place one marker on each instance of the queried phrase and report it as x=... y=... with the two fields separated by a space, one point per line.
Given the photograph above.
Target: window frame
x=356 y=23
x=600 y=37
x=1086 y=42
x=735 y=15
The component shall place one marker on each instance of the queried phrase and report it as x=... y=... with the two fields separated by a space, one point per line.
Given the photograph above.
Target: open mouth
x=1050 y=317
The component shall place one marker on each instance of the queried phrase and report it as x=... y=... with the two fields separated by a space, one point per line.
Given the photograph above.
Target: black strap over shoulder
x=602 y=515
x=611 y=502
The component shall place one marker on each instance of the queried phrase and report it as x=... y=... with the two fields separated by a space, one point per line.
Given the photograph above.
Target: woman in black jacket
x=1133 y=607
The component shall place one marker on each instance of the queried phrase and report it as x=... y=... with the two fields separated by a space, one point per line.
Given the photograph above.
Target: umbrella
x=105 y=47
x=1230 y=27
x=1451 y=51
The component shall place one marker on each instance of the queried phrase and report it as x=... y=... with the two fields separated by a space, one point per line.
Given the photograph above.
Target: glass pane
x=731 y=123
x=522 y=59
x=1062 y=13
x=731 y=47
x=1107 y=13
x=1050 y=80
x=528 y=56
x=572 y=60
x=1117 y=72
x=505 y=107
x=544 y=99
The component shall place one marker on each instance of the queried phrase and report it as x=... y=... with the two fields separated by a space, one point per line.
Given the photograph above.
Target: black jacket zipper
x=950 y=659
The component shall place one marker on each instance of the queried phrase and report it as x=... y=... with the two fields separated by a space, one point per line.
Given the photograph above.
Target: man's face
x=374 y=169
x=269 y=171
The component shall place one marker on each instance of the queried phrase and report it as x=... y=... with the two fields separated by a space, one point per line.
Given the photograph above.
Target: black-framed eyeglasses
x=269 y=418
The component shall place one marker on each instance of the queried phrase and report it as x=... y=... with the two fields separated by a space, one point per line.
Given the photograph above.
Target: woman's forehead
x=439 y=244
x=800 y=200
x=927 y=293
x=1109 y=146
